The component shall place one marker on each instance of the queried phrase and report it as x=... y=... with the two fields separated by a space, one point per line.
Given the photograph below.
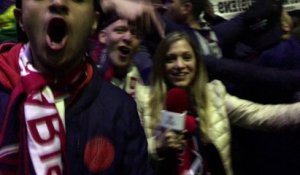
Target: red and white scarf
x=33 y=129
x=45 y=128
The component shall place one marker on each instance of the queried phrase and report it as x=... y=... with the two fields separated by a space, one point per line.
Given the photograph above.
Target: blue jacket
x=104 y=135
x=106 y=111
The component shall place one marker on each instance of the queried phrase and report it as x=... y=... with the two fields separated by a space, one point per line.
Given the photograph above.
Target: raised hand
x=141 y=11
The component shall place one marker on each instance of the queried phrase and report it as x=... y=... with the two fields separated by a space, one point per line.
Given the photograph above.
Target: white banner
x=290 y=5
x=230 y=8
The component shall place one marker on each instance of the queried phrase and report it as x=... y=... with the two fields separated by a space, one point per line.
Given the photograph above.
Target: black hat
x=106 y=19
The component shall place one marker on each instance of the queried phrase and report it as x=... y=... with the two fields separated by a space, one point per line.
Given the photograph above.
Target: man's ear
x=95 y=23
x=102 y=37
x=18 y=16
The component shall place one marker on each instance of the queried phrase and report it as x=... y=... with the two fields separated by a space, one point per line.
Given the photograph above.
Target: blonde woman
x=177 y=63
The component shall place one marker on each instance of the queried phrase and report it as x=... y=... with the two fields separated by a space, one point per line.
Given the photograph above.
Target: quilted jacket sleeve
x=261 y=116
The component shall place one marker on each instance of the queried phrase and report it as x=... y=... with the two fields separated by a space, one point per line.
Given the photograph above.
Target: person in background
x=58 y=116
x=8 y=30
x=122 y=39
x=178 y=64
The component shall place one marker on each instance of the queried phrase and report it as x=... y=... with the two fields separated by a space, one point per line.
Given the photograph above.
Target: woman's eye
x=170 y=58
x=187 y=56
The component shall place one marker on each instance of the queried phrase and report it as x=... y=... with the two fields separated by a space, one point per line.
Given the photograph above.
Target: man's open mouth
x=124 y=50
x=57 y=33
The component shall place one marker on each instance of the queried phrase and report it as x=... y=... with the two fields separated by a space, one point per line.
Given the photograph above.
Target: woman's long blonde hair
x=159 y=85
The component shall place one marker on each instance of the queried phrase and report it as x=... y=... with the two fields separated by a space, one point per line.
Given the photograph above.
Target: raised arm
x=248 y=114
x=141 y=10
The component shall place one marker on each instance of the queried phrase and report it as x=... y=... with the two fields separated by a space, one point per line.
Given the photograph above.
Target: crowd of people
x=137 y=88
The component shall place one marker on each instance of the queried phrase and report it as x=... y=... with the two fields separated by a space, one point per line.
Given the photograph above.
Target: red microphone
x=177 y=101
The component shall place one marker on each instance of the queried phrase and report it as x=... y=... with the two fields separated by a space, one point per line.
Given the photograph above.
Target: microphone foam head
x=177 y=100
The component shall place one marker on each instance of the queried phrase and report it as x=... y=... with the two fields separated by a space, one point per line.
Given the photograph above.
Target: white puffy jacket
x=225 y=109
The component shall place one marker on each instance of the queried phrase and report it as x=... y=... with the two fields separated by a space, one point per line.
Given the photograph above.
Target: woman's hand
x=170 y=142
x=174 y=140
